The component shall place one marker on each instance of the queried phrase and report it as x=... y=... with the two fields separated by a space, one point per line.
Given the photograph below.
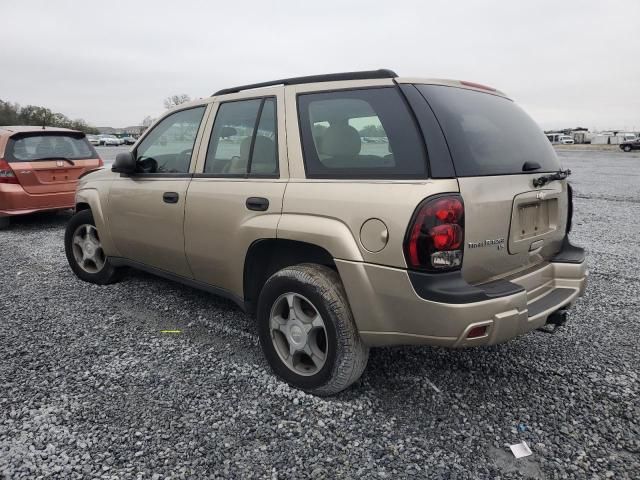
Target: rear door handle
x=258 y=204
x=170 y=197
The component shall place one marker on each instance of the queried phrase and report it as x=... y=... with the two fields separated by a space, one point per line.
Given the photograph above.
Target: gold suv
x=345 y=211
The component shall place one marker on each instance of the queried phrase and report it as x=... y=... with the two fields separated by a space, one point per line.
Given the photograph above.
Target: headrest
x=341 y=140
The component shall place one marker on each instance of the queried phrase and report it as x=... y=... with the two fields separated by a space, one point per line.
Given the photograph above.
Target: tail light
x=6 y=173
x=569 y=207
x=100 y=162
x=435 y=238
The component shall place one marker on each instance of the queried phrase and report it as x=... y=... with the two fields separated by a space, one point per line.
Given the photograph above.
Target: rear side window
x=366 y=133
x=488 y=134
x=34 y=147
x=244 y=140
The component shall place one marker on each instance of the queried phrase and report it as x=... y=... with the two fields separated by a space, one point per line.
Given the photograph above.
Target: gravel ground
x=90 y=387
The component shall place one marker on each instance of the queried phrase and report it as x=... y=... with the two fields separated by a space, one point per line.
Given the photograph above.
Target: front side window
x=366 y=133
x=244 y=140
x=34 y=147
x=168 y=147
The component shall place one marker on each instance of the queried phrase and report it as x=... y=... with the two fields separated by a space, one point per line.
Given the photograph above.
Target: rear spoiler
x=43 y=132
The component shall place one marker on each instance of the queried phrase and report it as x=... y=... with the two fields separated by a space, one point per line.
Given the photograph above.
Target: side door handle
x=258 y=204
x=170 y=197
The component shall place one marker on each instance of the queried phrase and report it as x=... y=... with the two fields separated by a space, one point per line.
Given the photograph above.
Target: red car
x=40 y=167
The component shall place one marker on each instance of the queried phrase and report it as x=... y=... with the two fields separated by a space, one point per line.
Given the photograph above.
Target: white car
x=566 y=140
x=93 y=140
x=110 y=140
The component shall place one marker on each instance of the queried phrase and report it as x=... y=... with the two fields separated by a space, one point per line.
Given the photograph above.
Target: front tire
x=307 y=331
x=627 y=148
x=84 y=251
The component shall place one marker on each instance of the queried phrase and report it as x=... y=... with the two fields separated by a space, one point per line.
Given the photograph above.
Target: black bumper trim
x=569 y=253
x=553 y=298
x=450 y=287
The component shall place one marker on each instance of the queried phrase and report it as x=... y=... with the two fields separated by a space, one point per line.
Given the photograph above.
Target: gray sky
x=113 y=63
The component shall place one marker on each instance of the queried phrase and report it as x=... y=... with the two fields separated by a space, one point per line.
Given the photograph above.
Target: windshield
x=35 y=147
x=488 y=134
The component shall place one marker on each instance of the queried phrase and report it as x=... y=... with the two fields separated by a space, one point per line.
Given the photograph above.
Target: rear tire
x=627 y=148
x=336 y=354
x=84 y=251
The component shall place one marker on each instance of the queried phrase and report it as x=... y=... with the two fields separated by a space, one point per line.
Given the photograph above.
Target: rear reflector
x=6 y=173
x=477 y=332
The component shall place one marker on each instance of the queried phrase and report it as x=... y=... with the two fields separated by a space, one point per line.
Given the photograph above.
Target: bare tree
x=175 y=100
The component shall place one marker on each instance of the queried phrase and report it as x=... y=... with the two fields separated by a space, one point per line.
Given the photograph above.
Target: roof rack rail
x=330 y=77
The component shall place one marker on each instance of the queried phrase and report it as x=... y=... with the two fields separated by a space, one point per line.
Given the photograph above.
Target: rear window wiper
x=55 y=158
x=543 y=180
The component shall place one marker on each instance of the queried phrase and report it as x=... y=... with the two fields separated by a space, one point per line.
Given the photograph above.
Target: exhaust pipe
x=557 y=319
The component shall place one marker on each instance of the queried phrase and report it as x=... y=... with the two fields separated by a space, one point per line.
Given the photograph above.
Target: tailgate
x=50 y=161
x=509 y=226
x=48 y=176
x=497 y=151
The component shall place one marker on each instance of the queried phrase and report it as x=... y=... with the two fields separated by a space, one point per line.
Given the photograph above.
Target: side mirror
x=125 y=163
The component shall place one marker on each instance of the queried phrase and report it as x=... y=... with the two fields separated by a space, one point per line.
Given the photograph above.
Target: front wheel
x=307 y=331
x=84 y=251
x=627 y=148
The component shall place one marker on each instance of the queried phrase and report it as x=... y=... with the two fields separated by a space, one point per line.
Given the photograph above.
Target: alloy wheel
x=87 y=249
x=298 y=334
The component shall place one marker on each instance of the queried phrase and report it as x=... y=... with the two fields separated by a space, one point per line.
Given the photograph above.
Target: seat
x=341 y=140
x=63 y=148
x=264 y=157
x=44 y=148
x=264 y=160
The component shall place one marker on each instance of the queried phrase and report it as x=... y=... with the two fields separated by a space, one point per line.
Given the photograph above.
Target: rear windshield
x=488 y=134
x=33 y=147
x=365 y=133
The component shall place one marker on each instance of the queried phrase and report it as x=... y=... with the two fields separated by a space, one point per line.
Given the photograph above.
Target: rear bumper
x=14 y=200
x=388 y=310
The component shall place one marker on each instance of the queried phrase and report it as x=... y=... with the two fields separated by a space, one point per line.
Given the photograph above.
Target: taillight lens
x=6 y=173
x=435 y=237
x=100 y=162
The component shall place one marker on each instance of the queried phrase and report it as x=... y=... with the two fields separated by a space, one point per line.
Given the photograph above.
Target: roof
x=363 y=75
x=11 y=129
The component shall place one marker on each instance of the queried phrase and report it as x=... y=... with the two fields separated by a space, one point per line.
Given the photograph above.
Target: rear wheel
x=627 y=148
x=307 y=331
x=84 y=250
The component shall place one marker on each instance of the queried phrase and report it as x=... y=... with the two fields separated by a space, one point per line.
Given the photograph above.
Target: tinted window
x=168 y=147
x=488 y=134
x=33 y=147
x=243 y=141
x=367 y=133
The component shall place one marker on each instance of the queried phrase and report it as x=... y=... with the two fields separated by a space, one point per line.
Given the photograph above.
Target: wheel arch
x=268 y=255
x=89 y=199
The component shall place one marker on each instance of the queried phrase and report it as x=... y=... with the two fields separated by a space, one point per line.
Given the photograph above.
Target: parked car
x=129 y=140
x=110 y=140
x=93 y=140
x=334 y=244
x=40 y=168
x=566 y=140
x=630 y=145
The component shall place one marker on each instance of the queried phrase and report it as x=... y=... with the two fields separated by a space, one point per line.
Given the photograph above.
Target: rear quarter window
x=36 y=146
x=365 y=133
x=488 y=134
